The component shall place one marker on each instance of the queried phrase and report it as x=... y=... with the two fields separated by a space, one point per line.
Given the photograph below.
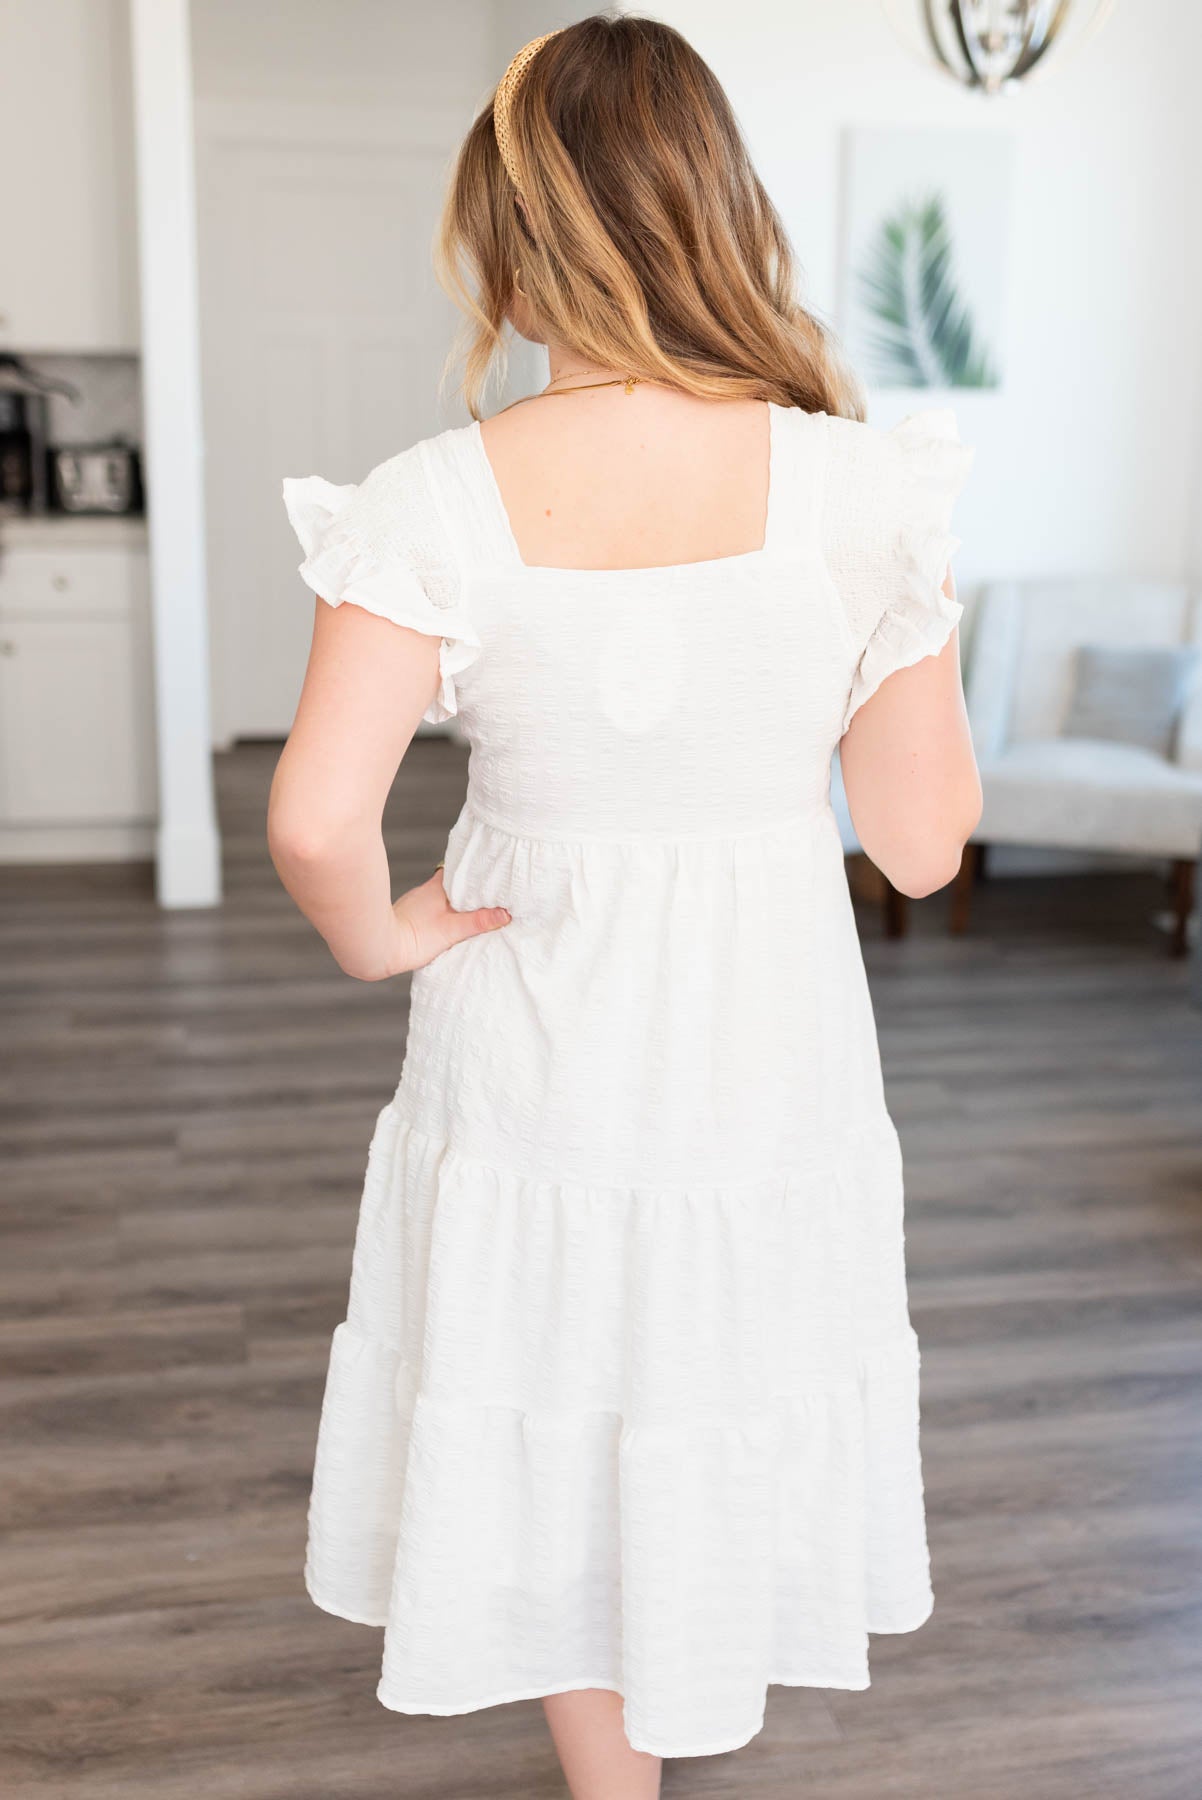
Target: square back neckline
x=508 y=536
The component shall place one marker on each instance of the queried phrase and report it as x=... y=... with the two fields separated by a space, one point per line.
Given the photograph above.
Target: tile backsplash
x=110 y=398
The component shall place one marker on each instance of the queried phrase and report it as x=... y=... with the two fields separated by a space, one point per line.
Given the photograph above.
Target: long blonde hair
x=644 y=238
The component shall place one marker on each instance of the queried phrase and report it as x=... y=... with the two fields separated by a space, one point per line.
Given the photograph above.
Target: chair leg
x=1182 y=878
x=896 y=909
x=962 y=887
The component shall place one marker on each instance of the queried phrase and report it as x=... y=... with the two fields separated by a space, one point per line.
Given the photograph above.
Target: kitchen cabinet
x=68 y=274
x=77 y=764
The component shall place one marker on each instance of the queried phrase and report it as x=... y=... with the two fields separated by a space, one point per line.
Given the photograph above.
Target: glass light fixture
x=992 y=44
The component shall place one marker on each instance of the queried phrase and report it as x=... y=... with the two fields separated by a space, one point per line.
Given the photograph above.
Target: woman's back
x=611 y=684
x=594 y=482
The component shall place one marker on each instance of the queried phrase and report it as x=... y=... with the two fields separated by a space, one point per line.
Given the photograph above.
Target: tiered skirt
x=575 y=1436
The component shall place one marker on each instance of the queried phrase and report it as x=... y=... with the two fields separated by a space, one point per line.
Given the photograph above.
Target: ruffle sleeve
x=924 y=468
x=345 y=565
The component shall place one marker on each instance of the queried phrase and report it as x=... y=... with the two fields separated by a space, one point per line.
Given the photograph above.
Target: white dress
x=627 y=1391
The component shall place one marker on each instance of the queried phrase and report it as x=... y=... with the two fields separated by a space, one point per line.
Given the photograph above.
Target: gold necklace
x=568 y=373
x=629 y=382
x=618 y=380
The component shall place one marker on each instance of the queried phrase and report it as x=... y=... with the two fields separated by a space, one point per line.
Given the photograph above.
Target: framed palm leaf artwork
x=925 y=255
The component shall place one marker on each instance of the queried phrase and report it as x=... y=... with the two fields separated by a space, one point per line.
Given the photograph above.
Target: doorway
x=325 y=133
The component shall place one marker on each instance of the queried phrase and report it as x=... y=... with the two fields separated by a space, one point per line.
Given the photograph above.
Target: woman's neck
x=572 y=365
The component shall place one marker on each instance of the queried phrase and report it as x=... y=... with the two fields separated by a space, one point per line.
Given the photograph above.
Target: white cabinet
x=76 y=701
x=68 y=236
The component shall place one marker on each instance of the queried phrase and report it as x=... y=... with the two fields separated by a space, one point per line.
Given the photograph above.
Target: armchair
x=1042 y=788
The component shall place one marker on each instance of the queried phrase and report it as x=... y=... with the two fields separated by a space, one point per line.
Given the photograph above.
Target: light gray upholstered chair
x=1045 y=789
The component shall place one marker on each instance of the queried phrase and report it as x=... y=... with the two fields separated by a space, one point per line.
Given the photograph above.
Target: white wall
x=363 y=52
x=68 y=241
x=1091 y=459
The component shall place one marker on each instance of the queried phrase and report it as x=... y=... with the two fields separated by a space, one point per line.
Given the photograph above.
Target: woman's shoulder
x=408 y=506
x=409 y=475
x=889 y=496
x=879 y=476
x=929 y=434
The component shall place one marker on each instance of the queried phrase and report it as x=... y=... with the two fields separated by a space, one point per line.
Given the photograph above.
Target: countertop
x=62 y=531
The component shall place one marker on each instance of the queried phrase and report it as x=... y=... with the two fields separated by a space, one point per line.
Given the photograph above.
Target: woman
x=624 y=1411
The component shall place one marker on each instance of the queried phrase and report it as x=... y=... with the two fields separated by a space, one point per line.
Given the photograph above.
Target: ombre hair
x=644 y=238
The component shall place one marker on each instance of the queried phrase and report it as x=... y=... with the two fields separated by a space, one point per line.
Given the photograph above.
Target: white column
x=188 y=845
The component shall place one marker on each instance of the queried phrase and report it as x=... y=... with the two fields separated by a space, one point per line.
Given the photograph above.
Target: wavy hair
x=644 y=238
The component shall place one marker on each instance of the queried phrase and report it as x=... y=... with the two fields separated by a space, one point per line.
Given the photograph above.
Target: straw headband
x=507 y=87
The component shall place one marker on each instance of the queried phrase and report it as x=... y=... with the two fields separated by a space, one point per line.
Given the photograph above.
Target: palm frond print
x=924 y=334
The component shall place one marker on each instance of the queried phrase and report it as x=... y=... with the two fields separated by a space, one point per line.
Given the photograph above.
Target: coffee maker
x=23 y=472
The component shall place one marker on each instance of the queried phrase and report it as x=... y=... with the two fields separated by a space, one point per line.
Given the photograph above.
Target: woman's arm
x=910 y=773
x=366 y=687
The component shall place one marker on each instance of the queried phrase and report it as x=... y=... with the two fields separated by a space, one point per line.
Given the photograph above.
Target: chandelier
x=991 y=44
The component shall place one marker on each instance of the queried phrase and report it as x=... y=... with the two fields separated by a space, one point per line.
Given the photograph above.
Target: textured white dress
x=627 y=1391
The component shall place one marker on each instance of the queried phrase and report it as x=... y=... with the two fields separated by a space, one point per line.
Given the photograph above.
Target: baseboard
x=76 y=843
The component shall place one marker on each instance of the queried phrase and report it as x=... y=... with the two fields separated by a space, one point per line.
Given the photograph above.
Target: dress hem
x=846 y=1683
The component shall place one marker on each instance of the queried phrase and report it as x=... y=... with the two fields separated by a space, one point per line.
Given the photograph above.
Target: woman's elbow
x=300 y=837
x=925 y=875
x=933 y=857
x=290 y=853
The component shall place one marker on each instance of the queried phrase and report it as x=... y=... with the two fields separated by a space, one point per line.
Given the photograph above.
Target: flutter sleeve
x=890 y=497
x=376 y=545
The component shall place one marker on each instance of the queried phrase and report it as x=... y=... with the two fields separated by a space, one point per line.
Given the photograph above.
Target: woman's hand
x=426 y=924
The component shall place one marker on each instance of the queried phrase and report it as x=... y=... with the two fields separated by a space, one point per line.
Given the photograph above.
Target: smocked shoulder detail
x=888 y=540
x=383 y=545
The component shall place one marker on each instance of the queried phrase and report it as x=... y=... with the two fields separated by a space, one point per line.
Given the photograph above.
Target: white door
x=323 y=333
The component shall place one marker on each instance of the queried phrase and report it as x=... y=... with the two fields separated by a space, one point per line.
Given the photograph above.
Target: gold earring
x=517 y=286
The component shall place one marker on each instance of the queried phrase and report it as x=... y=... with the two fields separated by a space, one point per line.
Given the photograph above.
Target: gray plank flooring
x=185 y=1103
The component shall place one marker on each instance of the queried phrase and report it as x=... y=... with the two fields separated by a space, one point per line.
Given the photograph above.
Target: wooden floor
x=184 y=1112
